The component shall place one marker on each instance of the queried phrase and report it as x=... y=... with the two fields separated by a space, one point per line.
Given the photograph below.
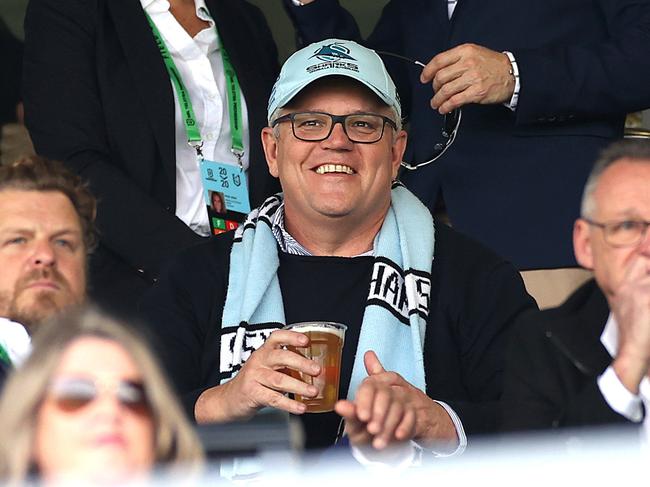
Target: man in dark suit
x=98 y=96
x=587 y=362
x=513 y=177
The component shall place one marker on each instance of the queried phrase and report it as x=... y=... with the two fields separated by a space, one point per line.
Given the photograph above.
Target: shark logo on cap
x=333 y=52
x=333 y=57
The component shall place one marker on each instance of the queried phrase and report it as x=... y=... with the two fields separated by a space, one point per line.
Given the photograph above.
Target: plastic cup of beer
x=325 y=348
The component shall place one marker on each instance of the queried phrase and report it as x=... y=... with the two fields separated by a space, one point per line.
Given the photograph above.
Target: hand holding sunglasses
x=450 y=125
x=470 y=74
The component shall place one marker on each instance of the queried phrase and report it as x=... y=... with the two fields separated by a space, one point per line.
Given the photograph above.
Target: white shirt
x=451 y=5
x=615 y=393
x=15 y=340
x=200 y=64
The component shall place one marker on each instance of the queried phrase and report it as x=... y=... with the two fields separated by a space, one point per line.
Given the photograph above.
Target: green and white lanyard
x=194 y=138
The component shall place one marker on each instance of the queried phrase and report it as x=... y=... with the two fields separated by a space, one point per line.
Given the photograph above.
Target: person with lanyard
x=47 y=231
x=427 y=310
x=542 y=85
x=154 y=103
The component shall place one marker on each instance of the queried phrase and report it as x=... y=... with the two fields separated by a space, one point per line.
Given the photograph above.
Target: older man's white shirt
x=620 y=399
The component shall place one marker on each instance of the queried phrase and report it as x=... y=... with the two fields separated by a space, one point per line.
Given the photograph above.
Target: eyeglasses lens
x=311 y=126
x=625 y=233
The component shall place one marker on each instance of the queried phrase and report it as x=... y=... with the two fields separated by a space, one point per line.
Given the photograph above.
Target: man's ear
x=270 y=145
x=399 y=146
x=582 y=244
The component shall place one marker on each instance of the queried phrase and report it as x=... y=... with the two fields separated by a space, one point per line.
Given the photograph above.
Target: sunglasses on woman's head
x=71 y=394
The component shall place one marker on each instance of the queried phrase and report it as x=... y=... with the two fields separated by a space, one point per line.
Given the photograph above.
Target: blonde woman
x=91 y=404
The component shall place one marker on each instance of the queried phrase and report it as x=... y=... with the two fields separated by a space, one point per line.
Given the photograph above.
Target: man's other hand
x=389 y=409
x=468 y=74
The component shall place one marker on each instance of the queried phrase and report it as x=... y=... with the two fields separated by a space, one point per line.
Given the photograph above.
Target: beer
x=325 y=348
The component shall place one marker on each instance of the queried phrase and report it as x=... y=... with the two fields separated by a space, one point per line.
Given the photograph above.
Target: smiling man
x=427 y=309
x=46 y=232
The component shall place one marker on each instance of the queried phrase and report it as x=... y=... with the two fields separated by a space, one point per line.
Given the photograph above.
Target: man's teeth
x=328 y=168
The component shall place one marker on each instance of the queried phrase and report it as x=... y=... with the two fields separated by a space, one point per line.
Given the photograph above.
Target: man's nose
x=44 y=254
x=338 y=138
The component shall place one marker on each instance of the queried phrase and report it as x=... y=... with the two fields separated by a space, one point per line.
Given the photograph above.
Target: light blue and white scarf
x=398 y=298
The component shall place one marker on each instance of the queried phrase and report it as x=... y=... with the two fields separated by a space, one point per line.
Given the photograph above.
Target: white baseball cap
x=333 y=57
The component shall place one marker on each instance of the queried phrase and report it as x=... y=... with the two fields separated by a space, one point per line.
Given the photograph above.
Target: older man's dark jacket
x=554 y=361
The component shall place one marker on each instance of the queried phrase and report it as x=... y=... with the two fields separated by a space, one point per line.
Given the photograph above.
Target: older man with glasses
x=587 y=362
x=427 y=310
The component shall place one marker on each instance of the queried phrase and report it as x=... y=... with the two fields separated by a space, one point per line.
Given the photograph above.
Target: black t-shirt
x=328 y=289
x=475 y=299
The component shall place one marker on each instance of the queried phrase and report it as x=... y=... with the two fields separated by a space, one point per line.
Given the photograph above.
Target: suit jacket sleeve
x=320 y=20
x=573 y=80
x=65 y=119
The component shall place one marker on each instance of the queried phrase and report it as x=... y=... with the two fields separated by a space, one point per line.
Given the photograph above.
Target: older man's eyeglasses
x=362 y=128
x=451 y=122
x=626 y=233
x=71 y=394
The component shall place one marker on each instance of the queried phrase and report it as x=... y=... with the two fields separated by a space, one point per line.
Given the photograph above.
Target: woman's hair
x=175 y=442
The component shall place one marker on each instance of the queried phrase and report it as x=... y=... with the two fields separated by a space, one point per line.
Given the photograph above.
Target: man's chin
x=31 y=310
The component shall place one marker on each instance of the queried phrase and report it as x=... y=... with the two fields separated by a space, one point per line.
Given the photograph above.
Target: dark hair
x=35 y=173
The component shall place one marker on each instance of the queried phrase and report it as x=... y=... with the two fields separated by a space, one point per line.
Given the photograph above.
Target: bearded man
x=47 y=217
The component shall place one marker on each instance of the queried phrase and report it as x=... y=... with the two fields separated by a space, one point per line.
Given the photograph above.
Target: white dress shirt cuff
x=297 y=3
x=514 y=71
x=460 y=432
x=398 y=456
x=618 y=397
x=410 y=454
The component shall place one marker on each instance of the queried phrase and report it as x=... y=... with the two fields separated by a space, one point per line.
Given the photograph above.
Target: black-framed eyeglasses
x=451 y=122
x=624 y=233
x=361 y=128
x=71 y=394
